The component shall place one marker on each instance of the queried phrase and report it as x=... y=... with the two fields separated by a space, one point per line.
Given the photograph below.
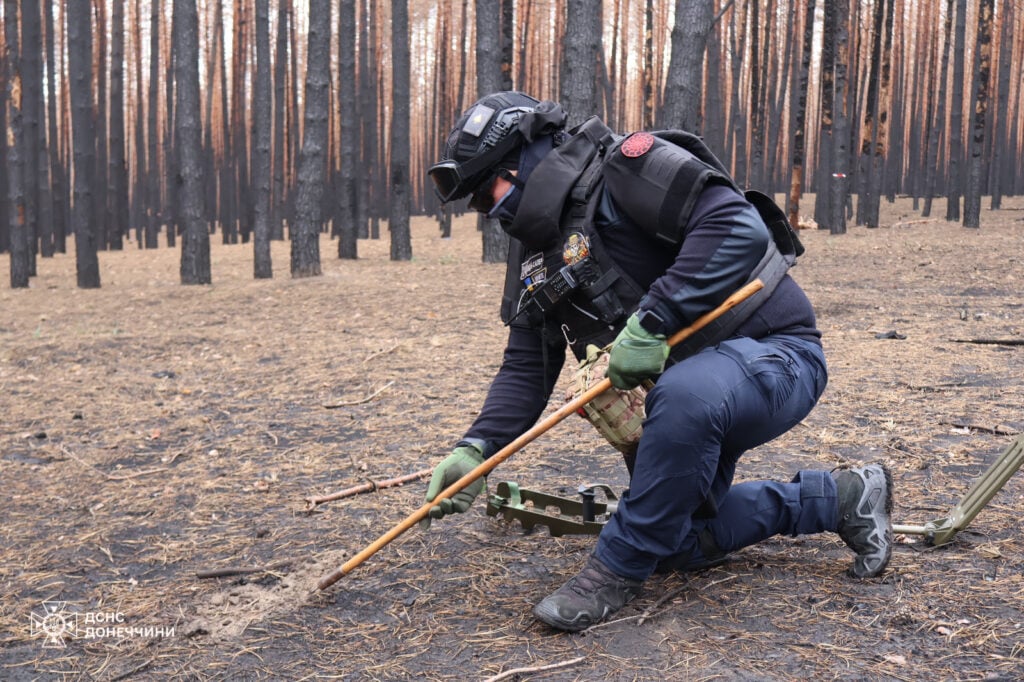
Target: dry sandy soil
x=149 y=431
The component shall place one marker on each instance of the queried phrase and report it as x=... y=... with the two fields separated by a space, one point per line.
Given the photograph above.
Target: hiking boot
x=865 y=501
x=587 y=598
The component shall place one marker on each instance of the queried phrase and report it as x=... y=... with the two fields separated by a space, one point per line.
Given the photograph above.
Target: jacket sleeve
x=520 y=390
x=724 y=238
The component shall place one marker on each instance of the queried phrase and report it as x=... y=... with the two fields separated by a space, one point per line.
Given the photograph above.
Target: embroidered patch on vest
x=533 y=272
x=576 y=248
x=637 y=145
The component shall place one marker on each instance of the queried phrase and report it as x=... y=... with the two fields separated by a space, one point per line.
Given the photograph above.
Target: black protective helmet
x=487 y=133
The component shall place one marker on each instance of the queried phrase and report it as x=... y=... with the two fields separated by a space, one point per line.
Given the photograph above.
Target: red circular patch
x=637 y=144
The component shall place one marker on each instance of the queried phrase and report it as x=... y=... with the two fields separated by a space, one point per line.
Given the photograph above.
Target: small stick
x=110 y=477
x=992 y=342
x=998 y=429
x=239 y=570
x=368 y=487
x=538 y=669
x=331 y=406
x=383 y=352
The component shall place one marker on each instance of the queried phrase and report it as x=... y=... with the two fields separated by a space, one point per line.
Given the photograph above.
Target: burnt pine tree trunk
x=956 y=117
x=998 y=179
x=983 y=50
x=867 y=131
x=348 y=105
x=195 y=237
x=153 y=201
x=305 y=235
x=34 y=141
x=367 y=120
x=118 y=173
x=58 y=188
x=398 y=215
x=488 y=80
x=102 y=188
x=884 y=124
x=5 y=222
x=796 y=182
x=15 y=140
x=841 y=130
x=262 y=266
x=277 y=202
x=582 y=44
x=826 y=148
x=79 y=34
x=935 y=129
x=684 y=83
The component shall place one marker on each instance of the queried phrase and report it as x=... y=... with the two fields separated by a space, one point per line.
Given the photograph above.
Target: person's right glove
x=463 y=459
x=636 y=354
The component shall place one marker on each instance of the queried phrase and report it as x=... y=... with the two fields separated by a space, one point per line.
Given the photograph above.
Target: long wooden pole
x=541 y=427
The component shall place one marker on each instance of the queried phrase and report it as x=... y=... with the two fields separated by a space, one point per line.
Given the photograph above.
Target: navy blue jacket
x=723 y=241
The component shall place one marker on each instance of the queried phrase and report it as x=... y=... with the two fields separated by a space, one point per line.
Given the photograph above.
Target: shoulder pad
x=657 y=183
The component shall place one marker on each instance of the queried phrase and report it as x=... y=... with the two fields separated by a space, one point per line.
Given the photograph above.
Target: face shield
x=485 y=138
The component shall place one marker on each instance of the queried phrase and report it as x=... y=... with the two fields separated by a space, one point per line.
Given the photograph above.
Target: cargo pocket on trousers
x=776 y=376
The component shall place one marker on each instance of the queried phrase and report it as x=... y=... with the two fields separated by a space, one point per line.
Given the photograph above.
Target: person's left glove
x=636 y=354
x=463 y=459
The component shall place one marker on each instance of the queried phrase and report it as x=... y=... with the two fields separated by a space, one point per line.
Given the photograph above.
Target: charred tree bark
x=983 y=50
x=348 y=105
x=935 y=129
x=488 y=80
x=195 y=237
x=37 y=215
x=398 y=216
x=582 y=42
x=277 y=201
x=305 y=251
x=998 y=180
x=841 y=129
x=153 y=197
x=14 y=138
x=796 y=182
x=58 y=184
x=262 y=264
x=84 y=136
x=954 y=188
x=117 y=214
x=826 y=146
x=684 y=84
x=101 y=197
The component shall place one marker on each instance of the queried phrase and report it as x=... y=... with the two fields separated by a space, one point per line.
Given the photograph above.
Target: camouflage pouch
x=617 y=415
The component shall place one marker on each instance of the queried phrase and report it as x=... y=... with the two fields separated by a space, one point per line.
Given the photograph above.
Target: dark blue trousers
x=681 y=509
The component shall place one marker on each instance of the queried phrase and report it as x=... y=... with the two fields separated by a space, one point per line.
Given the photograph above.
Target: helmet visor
x=447 y=181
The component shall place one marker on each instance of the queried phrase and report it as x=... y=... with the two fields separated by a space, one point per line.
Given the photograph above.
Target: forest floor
x=149 y=431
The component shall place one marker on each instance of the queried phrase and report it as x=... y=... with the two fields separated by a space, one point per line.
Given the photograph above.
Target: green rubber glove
x=636 y=355
x=463 y=459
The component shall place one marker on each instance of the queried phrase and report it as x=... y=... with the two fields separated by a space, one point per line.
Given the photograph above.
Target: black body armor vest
x=572 y=286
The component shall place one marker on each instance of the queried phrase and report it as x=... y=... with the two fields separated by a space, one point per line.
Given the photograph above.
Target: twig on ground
x=537 y=669
x=997 y=429
x=242 y=570
x=992 y=342
x=331 y=406
x=368 y=487
x=661 y=600
x=110 y=477
x=383 y=352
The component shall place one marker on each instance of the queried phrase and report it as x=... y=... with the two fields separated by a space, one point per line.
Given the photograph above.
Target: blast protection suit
x=644 y=224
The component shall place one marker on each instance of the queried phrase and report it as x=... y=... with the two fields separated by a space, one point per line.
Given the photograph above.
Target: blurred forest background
x=148 y=122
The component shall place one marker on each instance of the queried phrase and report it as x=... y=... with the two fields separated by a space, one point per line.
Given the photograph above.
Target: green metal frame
x=941 y=531
x=561 y=515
